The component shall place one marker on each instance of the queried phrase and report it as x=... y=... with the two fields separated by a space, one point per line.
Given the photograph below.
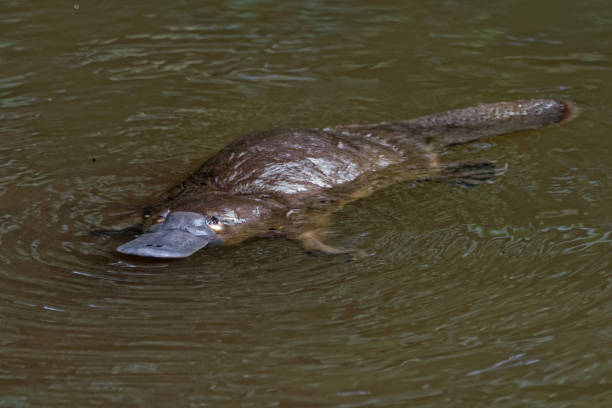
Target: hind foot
x=471 y=174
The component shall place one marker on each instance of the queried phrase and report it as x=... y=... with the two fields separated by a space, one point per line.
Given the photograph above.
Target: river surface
x=497 y=295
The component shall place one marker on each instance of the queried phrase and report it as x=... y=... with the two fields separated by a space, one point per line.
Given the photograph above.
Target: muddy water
x=495 y=295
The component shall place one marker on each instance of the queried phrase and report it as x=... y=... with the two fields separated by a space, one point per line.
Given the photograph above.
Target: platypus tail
x=469 y=124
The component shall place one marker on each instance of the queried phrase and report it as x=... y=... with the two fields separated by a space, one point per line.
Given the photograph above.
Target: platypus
x=287 y=182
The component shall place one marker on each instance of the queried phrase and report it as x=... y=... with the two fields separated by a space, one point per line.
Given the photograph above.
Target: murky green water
x=498 y=295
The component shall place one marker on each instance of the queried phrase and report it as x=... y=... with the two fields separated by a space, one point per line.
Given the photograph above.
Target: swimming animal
x=287 y=182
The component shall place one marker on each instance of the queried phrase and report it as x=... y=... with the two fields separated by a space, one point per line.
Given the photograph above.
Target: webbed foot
x=122 y=233
x=313 y=245
x=471 y=174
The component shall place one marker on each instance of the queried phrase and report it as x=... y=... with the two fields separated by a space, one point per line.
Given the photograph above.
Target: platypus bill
x=288 y=182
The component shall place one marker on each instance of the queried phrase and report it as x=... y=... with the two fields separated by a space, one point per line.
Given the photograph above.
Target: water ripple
x=465 y=292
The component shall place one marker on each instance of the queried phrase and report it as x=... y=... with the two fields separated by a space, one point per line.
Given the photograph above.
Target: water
x=495 y=295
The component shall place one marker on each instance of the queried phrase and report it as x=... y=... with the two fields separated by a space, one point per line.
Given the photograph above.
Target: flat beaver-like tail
x=469 y=124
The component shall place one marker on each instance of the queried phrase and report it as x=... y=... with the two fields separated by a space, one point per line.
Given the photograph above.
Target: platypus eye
x=162 y=217
x=213 y=223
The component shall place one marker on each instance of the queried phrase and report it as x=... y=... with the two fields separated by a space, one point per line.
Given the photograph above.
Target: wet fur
x=287 y=182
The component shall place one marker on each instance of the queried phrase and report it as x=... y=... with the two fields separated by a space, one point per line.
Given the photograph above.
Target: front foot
x=128 y=232
x=313 y=245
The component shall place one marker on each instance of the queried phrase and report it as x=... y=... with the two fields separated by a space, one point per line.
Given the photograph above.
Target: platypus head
x=177 y=235
x=197 y=219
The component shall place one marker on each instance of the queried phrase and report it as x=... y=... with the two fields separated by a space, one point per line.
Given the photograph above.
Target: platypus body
x=288 y=182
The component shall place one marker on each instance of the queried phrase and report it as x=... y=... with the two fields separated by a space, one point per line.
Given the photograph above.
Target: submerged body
x=287 y=182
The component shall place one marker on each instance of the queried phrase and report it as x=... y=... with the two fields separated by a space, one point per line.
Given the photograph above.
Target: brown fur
x=287 y=182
